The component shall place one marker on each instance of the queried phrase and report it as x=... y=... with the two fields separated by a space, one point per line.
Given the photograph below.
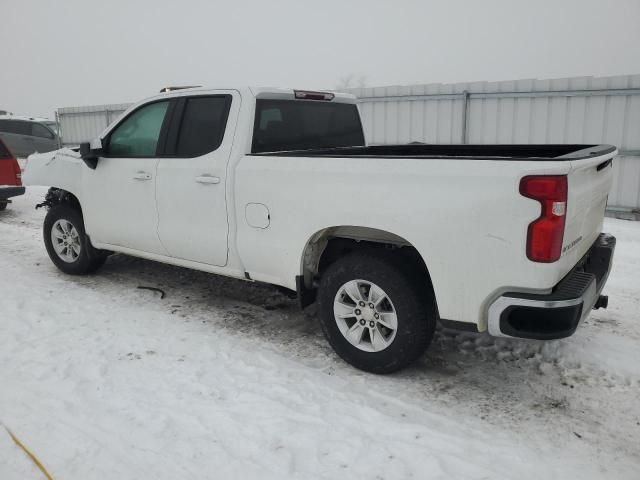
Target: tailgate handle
x=604 y=164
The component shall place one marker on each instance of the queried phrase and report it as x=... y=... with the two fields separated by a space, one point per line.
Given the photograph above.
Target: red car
x=10 y=176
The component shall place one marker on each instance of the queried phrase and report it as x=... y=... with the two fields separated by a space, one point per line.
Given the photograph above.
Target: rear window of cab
x=305 y=124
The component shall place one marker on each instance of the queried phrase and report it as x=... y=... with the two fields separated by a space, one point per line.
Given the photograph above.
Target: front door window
x=138 y=135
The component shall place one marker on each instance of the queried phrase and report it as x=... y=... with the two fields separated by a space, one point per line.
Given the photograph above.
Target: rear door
x=192 y=176
x=119 y=203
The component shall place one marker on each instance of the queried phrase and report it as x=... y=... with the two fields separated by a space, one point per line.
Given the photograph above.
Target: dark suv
x=25 y=136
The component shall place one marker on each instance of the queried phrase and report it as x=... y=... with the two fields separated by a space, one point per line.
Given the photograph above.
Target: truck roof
x=258 y=92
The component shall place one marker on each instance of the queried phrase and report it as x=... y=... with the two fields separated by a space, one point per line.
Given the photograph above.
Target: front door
x=119 y=205
x=192 y=176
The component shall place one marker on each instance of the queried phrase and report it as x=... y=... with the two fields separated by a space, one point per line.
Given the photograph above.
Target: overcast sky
x=83 y=52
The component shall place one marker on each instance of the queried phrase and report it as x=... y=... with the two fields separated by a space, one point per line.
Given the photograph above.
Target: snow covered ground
x=226 y=379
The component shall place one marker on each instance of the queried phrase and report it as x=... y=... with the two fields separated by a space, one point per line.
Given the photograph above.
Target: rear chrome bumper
x=557 y=314
x=8 y=192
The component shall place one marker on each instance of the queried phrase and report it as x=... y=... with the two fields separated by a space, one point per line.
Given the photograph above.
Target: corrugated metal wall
x=567 y=110
x=82 y=124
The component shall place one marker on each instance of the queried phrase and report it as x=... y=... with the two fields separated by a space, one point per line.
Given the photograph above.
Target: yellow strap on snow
x=29 y=454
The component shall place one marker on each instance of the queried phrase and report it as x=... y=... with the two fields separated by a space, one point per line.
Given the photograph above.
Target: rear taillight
x=545 y=234
x=18 y=172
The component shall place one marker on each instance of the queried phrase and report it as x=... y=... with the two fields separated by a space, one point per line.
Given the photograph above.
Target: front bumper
x=557 y=314
x=8 y=192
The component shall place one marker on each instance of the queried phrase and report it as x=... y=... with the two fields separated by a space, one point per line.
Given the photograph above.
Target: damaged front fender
x=61 y=169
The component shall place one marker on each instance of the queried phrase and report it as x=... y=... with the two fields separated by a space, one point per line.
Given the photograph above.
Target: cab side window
x=203 y=124
x=139 y=133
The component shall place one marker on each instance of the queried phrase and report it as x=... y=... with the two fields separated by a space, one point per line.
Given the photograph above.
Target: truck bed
x=480 y=152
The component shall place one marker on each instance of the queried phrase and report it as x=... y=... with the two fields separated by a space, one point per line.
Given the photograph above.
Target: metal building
x=566 y=110
x=82 y=124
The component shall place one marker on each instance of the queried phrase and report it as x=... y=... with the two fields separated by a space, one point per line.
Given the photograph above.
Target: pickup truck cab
x=279 y=186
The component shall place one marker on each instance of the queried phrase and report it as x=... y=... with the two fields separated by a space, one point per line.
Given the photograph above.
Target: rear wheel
x=67 y=243
x=3 y=205
x=374 y=313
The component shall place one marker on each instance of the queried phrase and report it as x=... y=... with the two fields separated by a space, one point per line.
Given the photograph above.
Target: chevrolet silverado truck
x=279 y=186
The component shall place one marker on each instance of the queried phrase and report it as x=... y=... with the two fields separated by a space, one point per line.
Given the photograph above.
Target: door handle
x=209 y=179
x=142 y=176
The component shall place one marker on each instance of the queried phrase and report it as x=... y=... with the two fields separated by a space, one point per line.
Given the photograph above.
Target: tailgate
x=9 y=170
x=589 y=183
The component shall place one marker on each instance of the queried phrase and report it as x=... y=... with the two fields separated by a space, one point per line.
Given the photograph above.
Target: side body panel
x=465 y=217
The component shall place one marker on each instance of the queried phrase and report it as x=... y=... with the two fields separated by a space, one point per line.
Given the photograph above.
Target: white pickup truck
x=279 y=186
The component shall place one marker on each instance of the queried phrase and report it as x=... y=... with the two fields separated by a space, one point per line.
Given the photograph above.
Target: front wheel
x=67 y=244
x=375 y=315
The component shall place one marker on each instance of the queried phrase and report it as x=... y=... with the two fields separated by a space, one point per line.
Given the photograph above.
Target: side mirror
x=90 y=155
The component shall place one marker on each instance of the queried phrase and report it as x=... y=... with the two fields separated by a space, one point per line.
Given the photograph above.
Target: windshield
x=302 y=125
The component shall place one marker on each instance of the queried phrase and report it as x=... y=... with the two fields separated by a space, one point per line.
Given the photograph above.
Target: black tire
x=89 y=258
x=3 y=205
x=414 y=305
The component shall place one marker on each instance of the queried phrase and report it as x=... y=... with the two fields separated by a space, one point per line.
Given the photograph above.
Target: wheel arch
x=60 y=196
x=329 y=244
